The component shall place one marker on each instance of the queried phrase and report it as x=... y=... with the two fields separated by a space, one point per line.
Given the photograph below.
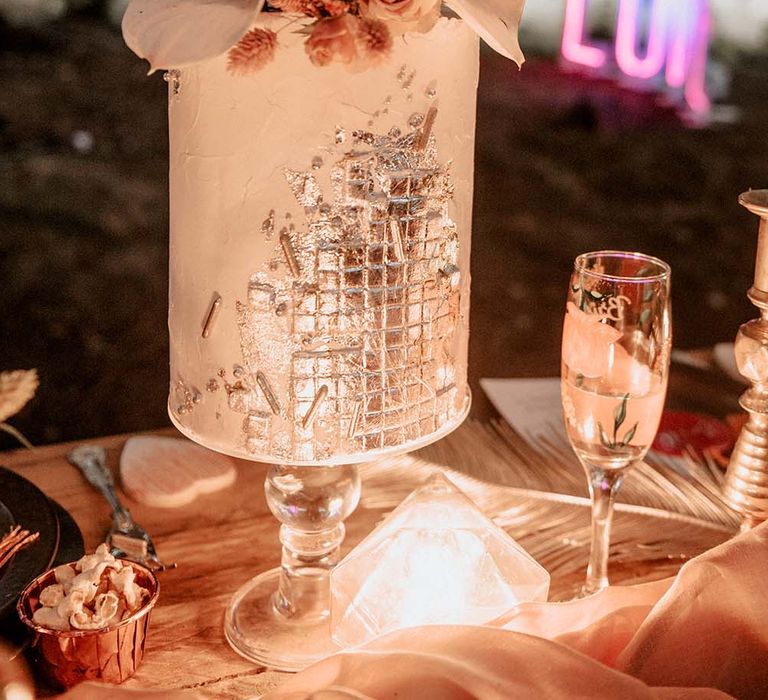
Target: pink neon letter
x=695 y=87
x=687 y=48
x=627 y=36
x=573 y=48
x=679 y=45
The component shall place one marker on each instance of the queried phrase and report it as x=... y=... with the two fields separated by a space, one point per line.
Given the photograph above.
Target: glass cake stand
x=281 y=617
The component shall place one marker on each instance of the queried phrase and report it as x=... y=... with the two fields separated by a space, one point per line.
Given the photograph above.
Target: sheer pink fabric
x=701 y=635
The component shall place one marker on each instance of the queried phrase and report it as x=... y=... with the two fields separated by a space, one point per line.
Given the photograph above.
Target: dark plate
x=71 y=548
x=26 y=505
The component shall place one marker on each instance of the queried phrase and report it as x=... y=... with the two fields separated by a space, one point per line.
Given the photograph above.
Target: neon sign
x=655 y=40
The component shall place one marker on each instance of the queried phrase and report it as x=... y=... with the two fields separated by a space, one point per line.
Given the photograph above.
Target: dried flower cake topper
x=357 y=33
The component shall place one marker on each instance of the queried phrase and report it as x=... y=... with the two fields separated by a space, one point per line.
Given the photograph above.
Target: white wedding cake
x=319 y=253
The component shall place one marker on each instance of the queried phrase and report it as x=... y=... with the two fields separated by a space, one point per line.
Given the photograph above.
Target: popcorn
x=64 y=574
x=123 y=581
x=84 y=620
x=91 y=561
x=106 y=606
x=83 y=585
x=48 y=617
x=90 y=579
x=70 y=604
x=51 y=596
x=95 y=592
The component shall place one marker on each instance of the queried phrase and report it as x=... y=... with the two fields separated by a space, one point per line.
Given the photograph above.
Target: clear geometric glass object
x=436 y=559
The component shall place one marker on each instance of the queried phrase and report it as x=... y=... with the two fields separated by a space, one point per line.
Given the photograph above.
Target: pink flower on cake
x=179 y=33
x=313 y=8
x=354 y=41
x=335 y=7
x=333 y=40
x=374 y=41
x=403 y=15
x=252 y=52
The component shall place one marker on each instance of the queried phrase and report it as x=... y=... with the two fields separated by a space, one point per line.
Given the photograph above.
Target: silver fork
x=125 y=538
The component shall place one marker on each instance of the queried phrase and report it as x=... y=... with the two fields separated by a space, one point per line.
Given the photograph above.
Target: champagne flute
x=615 y=364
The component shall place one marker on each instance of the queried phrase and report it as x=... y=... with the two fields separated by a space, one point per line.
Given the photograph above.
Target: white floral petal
x=175 y=33
x=496 y=21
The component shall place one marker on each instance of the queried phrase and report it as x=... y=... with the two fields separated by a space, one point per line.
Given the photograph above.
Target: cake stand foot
x=256 y=630
x=281 y=618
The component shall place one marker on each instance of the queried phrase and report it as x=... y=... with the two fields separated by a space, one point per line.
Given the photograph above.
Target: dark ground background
x=564 y=164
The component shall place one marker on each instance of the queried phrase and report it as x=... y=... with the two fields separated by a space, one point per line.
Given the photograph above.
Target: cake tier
x=319 y=261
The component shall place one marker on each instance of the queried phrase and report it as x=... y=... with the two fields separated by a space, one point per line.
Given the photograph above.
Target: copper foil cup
x=108 y=655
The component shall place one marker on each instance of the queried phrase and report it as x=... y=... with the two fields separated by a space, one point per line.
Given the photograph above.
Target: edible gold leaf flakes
x=344 y=289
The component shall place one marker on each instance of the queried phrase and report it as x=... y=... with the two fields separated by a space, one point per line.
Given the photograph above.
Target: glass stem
x=603 y=487
x=308 y=557
x=311 y=503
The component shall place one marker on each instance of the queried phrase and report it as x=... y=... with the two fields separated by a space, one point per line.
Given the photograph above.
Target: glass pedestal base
x=255 y=630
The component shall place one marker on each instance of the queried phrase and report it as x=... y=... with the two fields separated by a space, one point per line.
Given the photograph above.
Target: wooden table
x=220 y=541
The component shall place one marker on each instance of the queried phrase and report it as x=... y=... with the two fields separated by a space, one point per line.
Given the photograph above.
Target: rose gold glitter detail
x=173 y=78
x=187 y=396
x=263 y=383
x=397 y=239
x=356 y=411
x=268 y=225
x=304 y=187
x=213 y=312
x=354 y=329
x=290 y=254
x=298 y=7
x=426 y=129
x=309 y=418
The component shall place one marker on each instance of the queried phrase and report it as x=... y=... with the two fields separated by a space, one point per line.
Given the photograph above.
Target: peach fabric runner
x=702 y=635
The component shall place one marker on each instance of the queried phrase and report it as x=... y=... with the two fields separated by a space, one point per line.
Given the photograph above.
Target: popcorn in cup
x=90 y=618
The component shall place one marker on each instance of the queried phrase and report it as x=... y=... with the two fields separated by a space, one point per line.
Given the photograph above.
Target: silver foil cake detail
x=337 y=255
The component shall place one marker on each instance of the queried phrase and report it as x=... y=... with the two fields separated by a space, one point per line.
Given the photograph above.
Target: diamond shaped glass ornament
x=436 y=559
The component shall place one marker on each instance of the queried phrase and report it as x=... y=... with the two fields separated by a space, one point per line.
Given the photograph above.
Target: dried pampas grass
x=16 y=389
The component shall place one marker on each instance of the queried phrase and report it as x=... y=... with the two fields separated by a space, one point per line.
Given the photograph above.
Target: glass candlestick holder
x=746 y=481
